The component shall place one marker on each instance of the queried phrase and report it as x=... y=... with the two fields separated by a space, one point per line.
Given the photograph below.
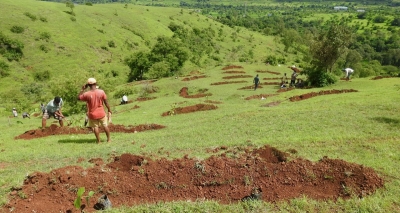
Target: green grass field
x=360 y=127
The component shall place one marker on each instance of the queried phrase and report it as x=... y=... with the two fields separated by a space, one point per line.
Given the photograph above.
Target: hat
x=57 y=100
x=91 y=81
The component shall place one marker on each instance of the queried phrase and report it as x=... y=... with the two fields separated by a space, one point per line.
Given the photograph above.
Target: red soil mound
x=213 y=102
x=130 y=180
x=324 y=92
x=381 y=77
x=271 y=78
x=228 y=82
x=266 y=71
x=260 y=96
x=237 y=76
x=286 y=89
x=189 y=109
x=249 y=87
x=184 y=93
x=270 y=83
x=54 y=129
x=231 y=67
x=234 y=71
x=193 y=77
x=145 y=98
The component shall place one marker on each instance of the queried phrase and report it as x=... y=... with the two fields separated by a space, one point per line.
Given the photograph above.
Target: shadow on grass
x=77 y=141
x=387 y=120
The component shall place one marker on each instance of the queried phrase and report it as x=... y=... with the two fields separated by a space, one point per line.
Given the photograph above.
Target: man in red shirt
x=94 y=99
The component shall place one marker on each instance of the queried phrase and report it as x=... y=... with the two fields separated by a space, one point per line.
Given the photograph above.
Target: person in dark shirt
x=256 y=81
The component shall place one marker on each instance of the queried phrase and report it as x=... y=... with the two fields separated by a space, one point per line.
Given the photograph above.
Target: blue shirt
x=52 y=108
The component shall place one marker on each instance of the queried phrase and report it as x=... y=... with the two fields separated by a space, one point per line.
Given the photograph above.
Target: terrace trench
x=130 y=180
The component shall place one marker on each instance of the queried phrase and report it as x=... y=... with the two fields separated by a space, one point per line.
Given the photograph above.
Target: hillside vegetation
x=61 y=47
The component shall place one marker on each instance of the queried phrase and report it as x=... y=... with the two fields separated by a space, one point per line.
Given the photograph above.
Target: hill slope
x=96 y=40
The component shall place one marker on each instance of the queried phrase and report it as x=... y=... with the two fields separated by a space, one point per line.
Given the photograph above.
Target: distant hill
x=62 y=44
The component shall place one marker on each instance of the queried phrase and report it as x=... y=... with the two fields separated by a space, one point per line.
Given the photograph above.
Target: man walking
x=256 y=81
x=95 y=98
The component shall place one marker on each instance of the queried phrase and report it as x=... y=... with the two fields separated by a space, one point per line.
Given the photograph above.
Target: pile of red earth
x=286 y=89
x=54 y=129
x=237 y=76
x=249 y=87
x=266 y=71
x=324 y=92
x=231 y=67
x=260 y=96
x=130 y=180
x=193 y=78
x=228 y=82
x=145 y=98
x=184 y=93
x=189 y=109
x=381 y=77
x=234 y=71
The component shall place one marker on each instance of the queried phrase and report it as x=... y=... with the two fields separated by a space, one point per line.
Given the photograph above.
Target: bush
x=89 y=4
x=272 y=60
x=125 y=91
x=4 y=69
x=44 y=48
x=111 y=44
x=72 y=18
x=320 y=78
x=41 y=75
x=31 y=16
x=45 y=36
x=17 y=29
x=10 y=49
x=43 y=19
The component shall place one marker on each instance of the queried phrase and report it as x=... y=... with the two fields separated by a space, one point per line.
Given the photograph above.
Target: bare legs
x=97 y=133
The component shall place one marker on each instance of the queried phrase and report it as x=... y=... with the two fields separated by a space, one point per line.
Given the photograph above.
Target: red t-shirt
x=94 y=100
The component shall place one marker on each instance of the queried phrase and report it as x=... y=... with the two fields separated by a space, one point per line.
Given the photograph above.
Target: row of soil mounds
x=323 y=92
x=193 y=78
x=189 y=109
x=54 y=129
x=184 y=92
x=232 y=67
x=130 y=180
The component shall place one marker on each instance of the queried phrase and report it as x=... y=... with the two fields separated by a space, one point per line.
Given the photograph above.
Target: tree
x=329 y=46
x=71 y=6
x=139 y=63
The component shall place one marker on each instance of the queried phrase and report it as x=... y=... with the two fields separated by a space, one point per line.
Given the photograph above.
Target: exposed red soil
x=267 y=71
x=237 y=76
x=145 y=98
x=250 y=87
x=194 y=78
x=324 y=92
x=271 y=78
x=295 y=69
x=184 y=93
x=233 y=71
x=142 y=82
x=231 y=67
x=55 y=129
x=213 y=102
x=228 y=82
x=130 y=180
x=270 y=83
x=189 y=109
x=260 y=96
x=286 y=89
x=381 y=77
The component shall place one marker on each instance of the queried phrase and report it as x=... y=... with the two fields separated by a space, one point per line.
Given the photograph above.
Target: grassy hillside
x=79 y=46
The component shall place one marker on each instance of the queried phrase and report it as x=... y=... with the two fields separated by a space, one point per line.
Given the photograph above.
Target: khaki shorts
x=98 y=122
x=47 y=115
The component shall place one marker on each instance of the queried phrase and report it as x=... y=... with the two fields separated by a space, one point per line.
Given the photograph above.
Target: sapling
x=79 y=196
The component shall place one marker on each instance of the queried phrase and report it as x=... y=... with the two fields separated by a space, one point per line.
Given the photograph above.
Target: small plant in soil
x=200 y=167
x=247 y=180
x=79 y=196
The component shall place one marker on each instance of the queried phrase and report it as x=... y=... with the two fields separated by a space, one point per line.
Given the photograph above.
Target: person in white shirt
x=124 y=99
x=348 y=72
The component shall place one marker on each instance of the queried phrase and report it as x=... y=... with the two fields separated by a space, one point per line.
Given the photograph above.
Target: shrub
x=89 y=4
x=10 y=49
x=31 y=16
x=320 y=78
x=45 y=36
x=43 y=19
x=271 y=59
x=72 y=18
x=17 y=29
x=125 y=91
x=111 y=44
x=44 y=48
x=4 y=69
x=41 y=75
